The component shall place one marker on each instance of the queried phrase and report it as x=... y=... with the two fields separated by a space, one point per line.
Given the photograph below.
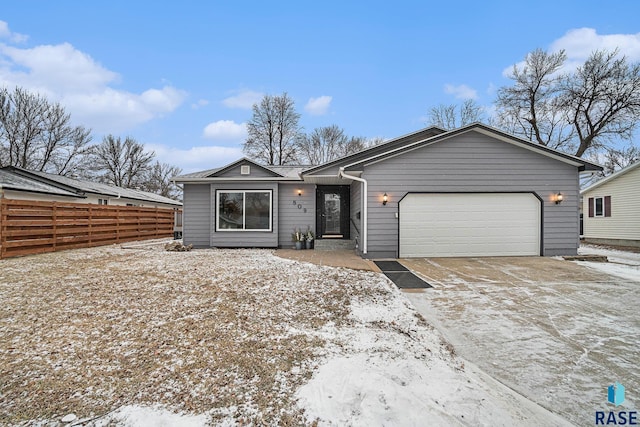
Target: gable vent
x=245 y=170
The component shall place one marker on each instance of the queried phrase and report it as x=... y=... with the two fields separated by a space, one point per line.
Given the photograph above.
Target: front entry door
x=332 y=216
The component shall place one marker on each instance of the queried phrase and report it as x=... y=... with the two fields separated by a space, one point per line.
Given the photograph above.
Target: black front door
x=332 y=211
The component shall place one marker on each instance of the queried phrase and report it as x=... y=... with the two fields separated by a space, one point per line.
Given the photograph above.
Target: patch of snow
x=368 y=389
x=390 y=368
x=621 y=263
x=613 y=255
x=144 y=416
x=625 y=271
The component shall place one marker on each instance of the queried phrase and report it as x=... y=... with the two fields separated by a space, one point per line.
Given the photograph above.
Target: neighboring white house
x=21 y=184
x=611 y=208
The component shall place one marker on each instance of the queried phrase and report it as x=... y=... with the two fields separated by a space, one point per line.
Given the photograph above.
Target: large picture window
x=244 y=210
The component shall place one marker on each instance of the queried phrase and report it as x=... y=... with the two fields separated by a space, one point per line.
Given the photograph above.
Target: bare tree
x=158 y=180
x=614 y=159
x=602 y=99
x=273 y=130
x=124 y=164
x=37 y=135
x=574 y=112
x=322 y=145
x=453 y=116
x=328 y=143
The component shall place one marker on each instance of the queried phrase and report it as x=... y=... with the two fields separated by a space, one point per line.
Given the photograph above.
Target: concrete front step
x=333 y=244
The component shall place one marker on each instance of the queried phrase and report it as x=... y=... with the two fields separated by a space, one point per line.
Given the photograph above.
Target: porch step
x=333 y=244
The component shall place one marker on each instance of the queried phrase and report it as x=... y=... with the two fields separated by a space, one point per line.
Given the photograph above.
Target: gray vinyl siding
x=245 y=239
x=473 y=162
x=378 y=149
x=254 y=172
x=197 y=215
x=290 y=216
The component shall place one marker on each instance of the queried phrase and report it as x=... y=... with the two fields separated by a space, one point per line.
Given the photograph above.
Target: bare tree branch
x=272 y=131
x=124 y=164
x=37 y=135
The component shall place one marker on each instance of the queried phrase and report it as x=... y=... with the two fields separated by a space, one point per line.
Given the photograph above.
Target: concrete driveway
x=553 y=330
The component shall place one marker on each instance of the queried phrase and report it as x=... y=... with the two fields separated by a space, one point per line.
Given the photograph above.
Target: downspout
x=365 y=228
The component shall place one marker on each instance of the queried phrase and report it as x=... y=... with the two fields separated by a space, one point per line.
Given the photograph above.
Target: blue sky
x=181 y=77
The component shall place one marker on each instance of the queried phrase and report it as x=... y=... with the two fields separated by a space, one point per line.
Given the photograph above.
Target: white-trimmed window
x=599 y=206
x=244 y=210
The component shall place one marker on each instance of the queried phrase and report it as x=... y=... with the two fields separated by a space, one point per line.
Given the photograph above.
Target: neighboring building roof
x=12 y=181
x=612 y=177
x=79 y=187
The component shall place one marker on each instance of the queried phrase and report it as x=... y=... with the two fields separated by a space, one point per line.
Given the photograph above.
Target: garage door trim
x=536 y=195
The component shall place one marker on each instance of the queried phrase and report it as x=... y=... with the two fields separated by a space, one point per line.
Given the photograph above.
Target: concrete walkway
x=557 y=332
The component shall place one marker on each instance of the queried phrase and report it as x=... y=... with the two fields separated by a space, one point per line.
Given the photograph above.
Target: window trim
x=595 y=206
x=243 y=229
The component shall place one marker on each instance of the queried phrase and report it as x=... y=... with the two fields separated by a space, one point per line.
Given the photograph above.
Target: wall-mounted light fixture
x=558 y=198
x=385 y=199
x=299 y=192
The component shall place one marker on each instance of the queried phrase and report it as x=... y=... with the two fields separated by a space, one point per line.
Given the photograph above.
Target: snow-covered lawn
x=138 y=337
x=623 y=264
x=557 y=331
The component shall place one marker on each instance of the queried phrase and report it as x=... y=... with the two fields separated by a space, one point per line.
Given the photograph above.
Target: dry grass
x=217 y=331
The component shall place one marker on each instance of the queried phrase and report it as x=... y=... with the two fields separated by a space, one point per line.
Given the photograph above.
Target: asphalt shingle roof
x=81 y=186
x=13 y=181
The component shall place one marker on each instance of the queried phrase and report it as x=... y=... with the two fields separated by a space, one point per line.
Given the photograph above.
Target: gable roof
x=80 y=187
x=278 y=173
x=612 y=177
x=382 y=151
x=479 y=127
x=419 y=135
x=230 y=166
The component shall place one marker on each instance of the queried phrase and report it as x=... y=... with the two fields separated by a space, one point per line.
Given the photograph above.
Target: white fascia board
x=419 y=144
x=213 y=180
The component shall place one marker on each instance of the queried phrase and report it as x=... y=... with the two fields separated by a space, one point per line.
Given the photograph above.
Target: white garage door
x=479 y=224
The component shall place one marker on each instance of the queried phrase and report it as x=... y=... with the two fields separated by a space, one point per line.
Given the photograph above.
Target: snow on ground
x=228 y=337
x=553 y=330
x=394 y=379
x=621 y=263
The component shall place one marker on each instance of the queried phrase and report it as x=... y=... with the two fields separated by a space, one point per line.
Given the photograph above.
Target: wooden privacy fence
x=29 y=227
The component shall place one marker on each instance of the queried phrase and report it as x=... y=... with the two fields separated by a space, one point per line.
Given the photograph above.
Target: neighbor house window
x=244 y=210
x=600 y=206
x=103 y=201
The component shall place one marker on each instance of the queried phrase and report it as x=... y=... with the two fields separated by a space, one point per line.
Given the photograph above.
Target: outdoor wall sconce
x=385 y=199
x=558 y=198
x=299 y=192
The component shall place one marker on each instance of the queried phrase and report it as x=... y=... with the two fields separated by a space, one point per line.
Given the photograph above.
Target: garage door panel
x=488 y=224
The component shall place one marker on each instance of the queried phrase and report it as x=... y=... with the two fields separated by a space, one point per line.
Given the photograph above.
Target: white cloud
x=579 y=43
x=196 y=158
x=243 y=99
x=461 y=91
x=84 y=87
x=318 y=106
x=201 y=103
x=225 y=130
x=6 y=33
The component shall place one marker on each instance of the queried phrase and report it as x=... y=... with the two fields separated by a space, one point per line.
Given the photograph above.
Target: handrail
x=354 y=224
